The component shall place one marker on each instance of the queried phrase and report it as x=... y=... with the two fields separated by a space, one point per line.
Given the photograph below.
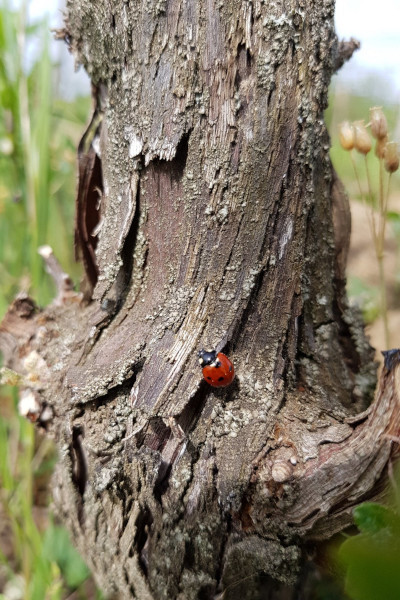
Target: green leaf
x=372 y=518
x=373 y=568
x=57 y=547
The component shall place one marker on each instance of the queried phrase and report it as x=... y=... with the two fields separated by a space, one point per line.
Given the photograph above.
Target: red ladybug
x=218 y=370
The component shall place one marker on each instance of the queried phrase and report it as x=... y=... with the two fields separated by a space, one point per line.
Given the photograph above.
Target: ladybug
x=218 y=370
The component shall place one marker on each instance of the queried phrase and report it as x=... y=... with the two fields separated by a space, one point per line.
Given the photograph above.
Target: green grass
x=36 y=556
x=39 y=135
x=38 y=140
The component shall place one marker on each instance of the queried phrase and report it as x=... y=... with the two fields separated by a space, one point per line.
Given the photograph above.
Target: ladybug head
x=207 y=357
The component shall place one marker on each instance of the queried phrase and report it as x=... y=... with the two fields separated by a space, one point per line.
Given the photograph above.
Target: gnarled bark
x=221 y=224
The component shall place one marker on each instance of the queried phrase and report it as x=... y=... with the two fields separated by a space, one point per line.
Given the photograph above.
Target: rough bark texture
x=221 y=224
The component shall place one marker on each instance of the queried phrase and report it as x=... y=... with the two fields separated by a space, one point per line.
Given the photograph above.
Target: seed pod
x=379 y=128
x=346 y=135
x=362 y=141
x=380 y=147
x=391 y=157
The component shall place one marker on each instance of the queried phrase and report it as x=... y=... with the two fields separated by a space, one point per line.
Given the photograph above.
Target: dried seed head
x=391 y=157
x=28 y=405
x=346 y=135
x=380 y=147
x=379 y=128
x=362 y=141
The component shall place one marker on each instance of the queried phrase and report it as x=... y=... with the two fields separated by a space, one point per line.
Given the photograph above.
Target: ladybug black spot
x=221 y=378
x=209 y=378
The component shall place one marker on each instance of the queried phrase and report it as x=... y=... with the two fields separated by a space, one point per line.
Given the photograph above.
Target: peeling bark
x=221 y=224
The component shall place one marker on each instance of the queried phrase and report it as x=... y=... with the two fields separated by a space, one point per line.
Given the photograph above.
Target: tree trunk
x=221 y=225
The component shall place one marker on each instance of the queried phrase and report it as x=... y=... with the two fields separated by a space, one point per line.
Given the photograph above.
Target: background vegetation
x=39 y=133
x=363 y=280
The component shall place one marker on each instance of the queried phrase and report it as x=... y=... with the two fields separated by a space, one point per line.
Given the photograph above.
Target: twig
x=64 y=284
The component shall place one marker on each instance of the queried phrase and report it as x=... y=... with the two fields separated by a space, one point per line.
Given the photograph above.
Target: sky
x=376 y=25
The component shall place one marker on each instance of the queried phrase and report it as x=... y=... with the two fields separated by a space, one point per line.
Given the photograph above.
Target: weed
x=354 y=136
x=38 y=138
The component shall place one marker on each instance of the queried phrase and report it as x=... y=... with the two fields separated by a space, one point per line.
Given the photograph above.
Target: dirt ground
x=362 y=264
